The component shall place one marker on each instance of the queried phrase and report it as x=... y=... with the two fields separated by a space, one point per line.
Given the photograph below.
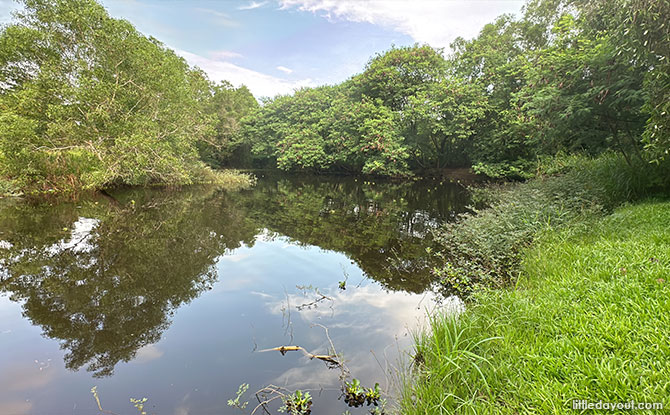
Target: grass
x=485 y=248
x=231 y=180
x=589 y=319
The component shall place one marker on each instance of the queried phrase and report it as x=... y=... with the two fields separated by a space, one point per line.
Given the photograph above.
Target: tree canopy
x=88 y=101
x=566 y=76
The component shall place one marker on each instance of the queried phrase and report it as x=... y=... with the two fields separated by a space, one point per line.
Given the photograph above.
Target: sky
x=276 y=46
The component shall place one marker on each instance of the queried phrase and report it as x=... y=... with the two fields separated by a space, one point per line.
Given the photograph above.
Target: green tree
x=276 y=129
x=88 y=101
x=494 y=62
x=641 y=33
x=229 y=105
x=364 y=135
x=400 y=73
x=580 y=96
x=445 y=118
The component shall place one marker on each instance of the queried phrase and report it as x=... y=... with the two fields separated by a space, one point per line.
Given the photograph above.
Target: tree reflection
x=384 y=227
x=109 y=291
x=104 y=275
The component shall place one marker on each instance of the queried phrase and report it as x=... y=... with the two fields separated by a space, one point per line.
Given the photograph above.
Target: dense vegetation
x=568 y=76
x=484 y=248
x=88 y=101
x=587 y=321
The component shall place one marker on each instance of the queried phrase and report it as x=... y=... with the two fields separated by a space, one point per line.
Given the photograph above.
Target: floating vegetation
x=298 y=403
x=355 y=395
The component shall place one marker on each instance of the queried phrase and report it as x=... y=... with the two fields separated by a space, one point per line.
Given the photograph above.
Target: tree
x=364 y=135
x=640 y=32
x=87 y=101
x=229 y=105
x=274 y=132
x=444 y=117
x=580 y=96
x=400 y=73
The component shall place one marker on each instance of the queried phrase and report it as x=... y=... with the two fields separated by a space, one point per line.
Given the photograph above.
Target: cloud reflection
x=375 y=324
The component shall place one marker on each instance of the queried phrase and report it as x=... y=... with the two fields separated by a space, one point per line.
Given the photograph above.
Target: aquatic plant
x=298 y=403
x=235 y=403
x=355 y=395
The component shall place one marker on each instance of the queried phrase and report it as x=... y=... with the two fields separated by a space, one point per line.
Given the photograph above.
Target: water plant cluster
x=355 y=395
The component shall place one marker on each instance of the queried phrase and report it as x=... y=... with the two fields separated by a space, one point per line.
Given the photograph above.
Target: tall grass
x=449 y=368
x=484 y=248
x=231 y=180
x=589 y=319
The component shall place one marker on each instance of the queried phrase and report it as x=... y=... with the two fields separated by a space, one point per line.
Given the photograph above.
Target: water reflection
x=382 y=227
x=105 y=276
x=105 y=286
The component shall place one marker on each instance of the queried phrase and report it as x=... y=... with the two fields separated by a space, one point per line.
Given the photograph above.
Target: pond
x=173 y=295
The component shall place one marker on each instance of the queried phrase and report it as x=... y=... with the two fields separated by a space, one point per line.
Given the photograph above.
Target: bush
x=484 y=246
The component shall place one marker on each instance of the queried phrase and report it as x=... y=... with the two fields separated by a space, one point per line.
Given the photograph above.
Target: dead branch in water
x=332 y=359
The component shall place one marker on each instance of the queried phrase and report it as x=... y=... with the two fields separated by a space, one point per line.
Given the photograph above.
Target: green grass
x=230 y=180
x=589 y=318
x=485 y=248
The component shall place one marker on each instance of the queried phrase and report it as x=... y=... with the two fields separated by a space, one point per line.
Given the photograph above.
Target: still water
x=172 y=295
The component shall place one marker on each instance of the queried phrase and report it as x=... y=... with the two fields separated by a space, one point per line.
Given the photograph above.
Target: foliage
x=484 y=248
x=236 y=403
x=560 y=79
x=640 y=32
x=583 y=323
x=7 y=188
x=355 y=395
x=442 y=121
x=89 y=102
x=299 y=403
x=228 y=105
x=400 y=73
x=579 y=96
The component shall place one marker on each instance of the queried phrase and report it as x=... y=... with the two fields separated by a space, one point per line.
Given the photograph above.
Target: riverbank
x=230 y=180
x=587 y=316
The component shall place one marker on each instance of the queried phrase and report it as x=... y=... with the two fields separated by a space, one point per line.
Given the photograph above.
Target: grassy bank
x=485 y=248
x=230 y=180
x=588 y=319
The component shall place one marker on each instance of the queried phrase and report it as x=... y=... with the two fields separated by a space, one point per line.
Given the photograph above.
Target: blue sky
x=275 y=46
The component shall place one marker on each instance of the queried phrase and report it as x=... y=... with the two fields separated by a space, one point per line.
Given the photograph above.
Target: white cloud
x=260 y=84
x=434 y=22
x=148 y=353
x=253 y=5
x=222 y=55
x=284 y=69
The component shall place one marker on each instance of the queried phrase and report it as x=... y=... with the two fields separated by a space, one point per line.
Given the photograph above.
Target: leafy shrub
x=484 y=247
